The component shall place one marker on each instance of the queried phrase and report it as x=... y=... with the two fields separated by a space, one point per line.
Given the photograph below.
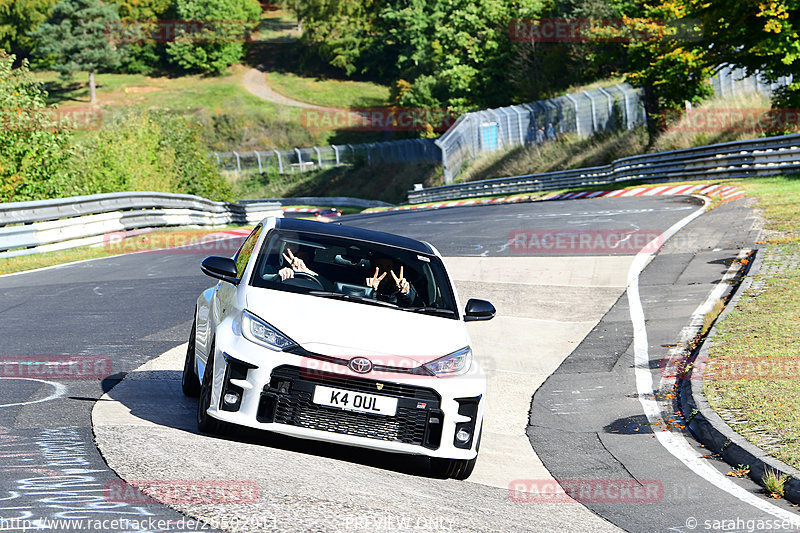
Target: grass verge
x=135 y=242
x=754 y=361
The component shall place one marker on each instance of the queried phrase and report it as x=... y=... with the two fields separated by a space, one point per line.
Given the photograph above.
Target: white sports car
x=339 y=334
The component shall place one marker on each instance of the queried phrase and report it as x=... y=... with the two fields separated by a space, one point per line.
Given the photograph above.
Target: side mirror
x=223 y=268
x=478 y=310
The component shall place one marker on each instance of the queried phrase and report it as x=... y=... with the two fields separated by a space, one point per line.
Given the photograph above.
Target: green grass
x=152 y=240
x=329 y=92
x=759 y=340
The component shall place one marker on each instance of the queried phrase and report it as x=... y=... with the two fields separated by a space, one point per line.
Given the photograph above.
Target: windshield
x=333 y=267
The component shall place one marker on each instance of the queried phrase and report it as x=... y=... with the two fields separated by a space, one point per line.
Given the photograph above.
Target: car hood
x=342 y=328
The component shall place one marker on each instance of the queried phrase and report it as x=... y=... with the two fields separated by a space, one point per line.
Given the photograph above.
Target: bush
x=147 y=152
x=34 y=150
x=221 y=43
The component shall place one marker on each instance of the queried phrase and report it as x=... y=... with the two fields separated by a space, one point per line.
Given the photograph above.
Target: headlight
x=256 y=330
x=453 y=364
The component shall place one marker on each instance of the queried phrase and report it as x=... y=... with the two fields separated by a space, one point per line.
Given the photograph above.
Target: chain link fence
x=730 y=81
x=322 y=157
x=584 y=114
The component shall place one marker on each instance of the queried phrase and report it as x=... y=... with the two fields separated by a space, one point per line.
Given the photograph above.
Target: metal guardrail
x=46 y=225
x=739 y=159
x=332 y=201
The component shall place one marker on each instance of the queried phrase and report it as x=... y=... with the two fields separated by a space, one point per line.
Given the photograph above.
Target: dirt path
x=255 y=81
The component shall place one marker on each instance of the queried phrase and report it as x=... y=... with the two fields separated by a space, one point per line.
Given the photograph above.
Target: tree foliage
x=221 y=43
x=17 y=19
x=34 y=150
x=147 y=152
x=75 y=36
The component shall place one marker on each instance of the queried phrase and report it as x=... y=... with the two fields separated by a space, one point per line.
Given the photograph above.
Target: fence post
x=336 y=151
x=219 y=163
x=238 y=163
x=299 y=158
x=319 y=157
x=627 y=107
x=594 y=111
x=258 y=157
x=280 y=162
x=610 y=105
x=577 y=116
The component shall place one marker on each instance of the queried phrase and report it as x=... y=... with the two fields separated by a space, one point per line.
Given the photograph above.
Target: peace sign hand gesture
x=375 y=280
x=402 y=283
x=297 y=264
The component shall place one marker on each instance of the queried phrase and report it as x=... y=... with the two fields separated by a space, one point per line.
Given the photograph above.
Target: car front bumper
x=275 y=391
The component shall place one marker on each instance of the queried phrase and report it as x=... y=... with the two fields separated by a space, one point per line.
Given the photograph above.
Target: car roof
x=336 y=229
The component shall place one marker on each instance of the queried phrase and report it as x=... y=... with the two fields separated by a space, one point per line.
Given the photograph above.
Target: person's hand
x=375 y=280
x=286 y=273
x=297 y=264
x=402 y=283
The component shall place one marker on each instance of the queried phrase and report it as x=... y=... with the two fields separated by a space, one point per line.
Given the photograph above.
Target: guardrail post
x=280 y=162
x=258 y=157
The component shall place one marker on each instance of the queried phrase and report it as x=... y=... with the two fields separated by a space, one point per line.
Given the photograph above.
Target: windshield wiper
x=353 y=298
x=436 y=310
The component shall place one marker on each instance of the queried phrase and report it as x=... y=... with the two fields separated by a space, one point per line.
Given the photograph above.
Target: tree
x=34 y=150
x=218 y=42
x=665 y=61
x=75 y=38
x=757 y=36
x=17 y=19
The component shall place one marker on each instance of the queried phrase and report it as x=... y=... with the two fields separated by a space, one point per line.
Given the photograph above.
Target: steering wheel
x=309 y=277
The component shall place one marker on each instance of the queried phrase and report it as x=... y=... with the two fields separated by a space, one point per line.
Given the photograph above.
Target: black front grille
x=288 y=400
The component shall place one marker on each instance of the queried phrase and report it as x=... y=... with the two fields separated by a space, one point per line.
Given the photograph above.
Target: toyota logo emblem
x=360 y=365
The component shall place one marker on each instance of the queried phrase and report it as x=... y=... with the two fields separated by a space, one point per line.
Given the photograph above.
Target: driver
x=296 y=263
x=396 y=290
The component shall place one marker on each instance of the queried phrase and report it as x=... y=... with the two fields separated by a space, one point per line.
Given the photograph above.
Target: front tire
x=453 y=468
x=189 y=382
x=456 y=468
x=205 y=422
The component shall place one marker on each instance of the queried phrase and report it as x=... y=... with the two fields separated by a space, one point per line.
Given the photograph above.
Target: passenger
x=395 y=290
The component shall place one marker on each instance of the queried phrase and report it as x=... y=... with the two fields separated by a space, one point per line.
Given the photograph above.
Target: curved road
x=584 y=420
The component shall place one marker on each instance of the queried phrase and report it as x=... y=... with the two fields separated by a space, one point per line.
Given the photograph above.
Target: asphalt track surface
x=585 y=420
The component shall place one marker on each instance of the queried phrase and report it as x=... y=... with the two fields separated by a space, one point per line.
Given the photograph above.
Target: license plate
x=360 y=402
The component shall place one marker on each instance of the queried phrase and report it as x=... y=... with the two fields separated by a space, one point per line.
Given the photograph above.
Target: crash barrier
x=331 y=201
x=46 y=225
x=739 y=159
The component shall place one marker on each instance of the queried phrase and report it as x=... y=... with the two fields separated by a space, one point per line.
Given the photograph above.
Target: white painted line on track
x=58 y=392
x=675 y=443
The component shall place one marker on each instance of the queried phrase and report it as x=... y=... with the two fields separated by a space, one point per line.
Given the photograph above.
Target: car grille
x=288 y=400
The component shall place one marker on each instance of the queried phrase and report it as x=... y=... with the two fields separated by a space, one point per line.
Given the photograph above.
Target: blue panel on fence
x=489 y=136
